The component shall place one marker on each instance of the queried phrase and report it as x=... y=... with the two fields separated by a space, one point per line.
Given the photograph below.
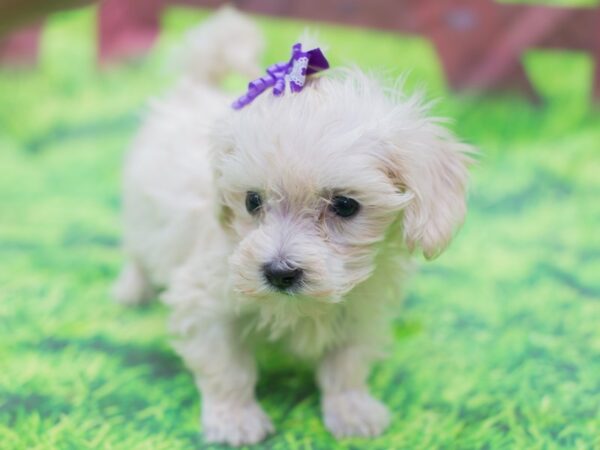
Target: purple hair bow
x=294 y=72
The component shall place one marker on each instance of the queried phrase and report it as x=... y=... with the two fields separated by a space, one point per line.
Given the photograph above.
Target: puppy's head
x=310 y=185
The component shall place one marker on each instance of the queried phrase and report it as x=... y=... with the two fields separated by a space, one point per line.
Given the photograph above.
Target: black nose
x=282 y=278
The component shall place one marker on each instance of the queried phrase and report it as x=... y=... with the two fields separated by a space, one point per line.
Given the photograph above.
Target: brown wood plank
x=479 y=42
x=21 y=48
x=527 y=30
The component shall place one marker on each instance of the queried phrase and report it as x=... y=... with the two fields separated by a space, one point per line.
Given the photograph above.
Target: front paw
x=235 y=424
x=354 y=414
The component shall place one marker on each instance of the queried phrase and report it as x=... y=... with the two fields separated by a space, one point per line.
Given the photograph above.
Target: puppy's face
x=310 y=184
x=307 y=223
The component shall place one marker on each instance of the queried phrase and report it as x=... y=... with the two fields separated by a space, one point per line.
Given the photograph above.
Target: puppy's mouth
x=284 y=280
x=301 y=293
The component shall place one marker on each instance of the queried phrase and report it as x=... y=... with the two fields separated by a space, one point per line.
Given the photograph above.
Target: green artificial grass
x=498 y=342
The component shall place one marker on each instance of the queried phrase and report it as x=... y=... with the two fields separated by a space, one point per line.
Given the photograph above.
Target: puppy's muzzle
x=282 y=277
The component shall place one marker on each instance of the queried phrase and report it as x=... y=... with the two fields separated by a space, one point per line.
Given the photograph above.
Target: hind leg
x=132 y=286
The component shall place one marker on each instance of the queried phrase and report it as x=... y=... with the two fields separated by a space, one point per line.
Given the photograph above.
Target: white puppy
x=289 y=221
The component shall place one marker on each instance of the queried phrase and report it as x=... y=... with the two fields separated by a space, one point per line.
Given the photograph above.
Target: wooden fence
x=480 y=42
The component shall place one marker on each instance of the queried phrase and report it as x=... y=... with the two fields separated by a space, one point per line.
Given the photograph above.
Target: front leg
x=225 y=373
x=348 y=408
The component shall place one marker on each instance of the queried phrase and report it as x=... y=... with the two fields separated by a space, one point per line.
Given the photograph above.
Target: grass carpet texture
x=498 y=342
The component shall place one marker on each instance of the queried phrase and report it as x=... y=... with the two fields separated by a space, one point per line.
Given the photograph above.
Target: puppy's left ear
x=428 y=162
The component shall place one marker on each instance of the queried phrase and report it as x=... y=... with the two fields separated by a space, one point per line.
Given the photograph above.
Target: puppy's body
x=168 y=184
x=188 y=229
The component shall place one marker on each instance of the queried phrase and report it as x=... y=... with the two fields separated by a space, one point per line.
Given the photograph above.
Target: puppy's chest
x=304 y=330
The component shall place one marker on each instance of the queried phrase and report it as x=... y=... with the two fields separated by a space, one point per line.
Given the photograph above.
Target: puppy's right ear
x=221 y=146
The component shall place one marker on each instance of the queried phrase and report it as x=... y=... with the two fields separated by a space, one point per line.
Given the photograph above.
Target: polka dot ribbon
x=292 y=73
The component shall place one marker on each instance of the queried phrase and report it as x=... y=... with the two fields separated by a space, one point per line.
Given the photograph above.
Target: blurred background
x=498 y=341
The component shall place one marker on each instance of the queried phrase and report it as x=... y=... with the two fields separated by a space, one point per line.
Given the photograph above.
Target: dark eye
x=253 y=202
x=344 y=206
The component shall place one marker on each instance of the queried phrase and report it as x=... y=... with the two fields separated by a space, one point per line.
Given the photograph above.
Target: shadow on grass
x=77 y=235
x=548 y=271
x=14 y=406
x=287 y=386
x=60 y=133
x=544 y=185
x=282 y=382
x=160 y=362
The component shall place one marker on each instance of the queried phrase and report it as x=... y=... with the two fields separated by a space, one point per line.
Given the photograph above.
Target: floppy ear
x=221 y=146
x=428 y=162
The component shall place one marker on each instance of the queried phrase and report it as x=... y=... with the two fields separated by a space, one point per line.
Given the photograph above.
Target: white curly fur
x=187 y=229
